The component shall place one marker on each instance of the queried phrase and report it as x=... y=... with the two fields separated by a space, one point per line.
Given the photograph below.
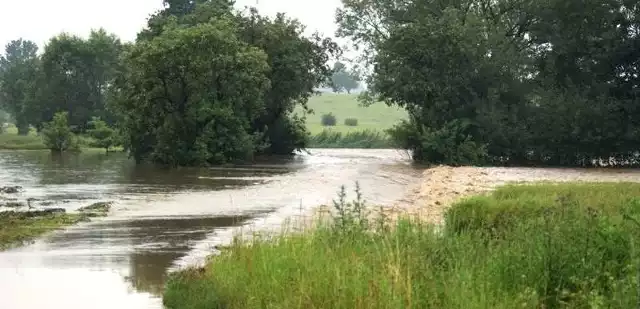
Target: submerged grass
x=16 y=228
x=356 y=139
x=530 y=246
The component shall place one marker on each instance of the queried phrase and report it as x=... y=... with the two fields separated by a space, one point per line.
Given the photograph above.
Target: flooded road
x=164 y=219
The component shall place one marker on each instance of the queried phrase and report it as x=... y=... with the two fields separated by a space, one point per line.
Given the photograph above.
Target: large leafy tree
x=76 y=74
x=18 y=72
x=295 y=65
x=508 y=81
x=189 y=95
x=342 y=79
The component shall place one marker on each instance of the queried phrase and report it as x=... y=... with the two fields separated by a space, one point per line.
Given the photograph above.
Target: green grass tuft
x=356 y=139
x=17 y=228
x=10 y=140
x=558 y=246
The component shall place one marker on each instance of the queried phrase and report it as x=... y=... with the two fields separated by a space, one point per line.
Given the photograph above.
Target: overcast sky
x=38 y=20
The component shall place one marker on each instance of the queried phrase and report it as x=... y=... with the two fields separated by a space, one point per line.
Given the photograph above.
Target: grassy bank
x=532 y=246
x=17 y=228
x=355 y=139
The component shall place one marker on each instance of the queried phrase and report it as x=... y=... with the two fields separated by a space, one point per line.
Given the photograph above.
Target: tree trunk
x=23 y=128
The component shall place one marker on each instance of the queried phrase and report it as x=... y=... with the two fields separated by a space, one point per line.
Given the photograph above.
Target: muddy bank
x=443 y=185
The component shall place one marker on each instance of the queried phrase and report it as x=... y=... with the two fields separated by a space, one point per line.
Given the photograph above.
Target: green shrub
x=351 y=122
x=328 y=120
x=361 y=139
x=57 y=134
x=450 y=144
x=104 y=136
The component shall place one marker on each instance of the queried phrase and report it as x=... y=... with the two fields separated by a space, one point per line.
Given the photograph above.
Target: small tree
x=57 y=135
x=328 y=120
x=105 y=137
x=344 y=80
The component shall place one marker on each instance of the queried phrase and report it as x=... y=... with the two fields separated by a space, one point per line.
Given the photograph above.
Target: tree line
x=513 y=82
x=203 y=83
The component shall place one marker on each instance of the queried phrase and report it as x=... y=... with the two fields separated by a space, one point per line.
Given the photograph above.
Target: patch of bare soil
x=441 y=186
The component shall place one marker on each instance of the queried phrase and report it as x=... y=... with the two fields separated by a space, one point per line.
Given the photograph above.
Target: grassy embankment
x=10 y=140
x=17 y=228
x=527 y=246
x=369 y=133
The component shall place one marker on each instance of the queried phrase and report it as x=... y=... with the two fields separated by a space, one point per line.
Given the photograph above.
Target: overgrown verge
x=538 y=246
x=32 y=141
x=360 y=139
x=17 y=228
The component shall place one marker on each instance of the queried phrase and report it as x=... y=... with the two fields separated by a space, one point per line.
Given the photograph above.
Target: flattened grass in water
x=17 y=228
x=531 y=246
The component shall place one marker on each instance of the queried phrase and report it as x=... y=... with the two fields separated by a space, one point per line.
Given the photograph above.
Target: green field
x=376 y=117
x=10 y=140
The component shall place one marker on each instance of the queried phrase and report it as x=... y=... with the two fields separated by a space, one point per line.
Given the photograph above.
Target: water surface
x=164 y=219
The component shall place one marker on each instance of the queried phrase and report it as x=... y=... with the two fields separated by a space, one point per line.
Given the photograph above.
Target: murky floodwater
x=164 y=219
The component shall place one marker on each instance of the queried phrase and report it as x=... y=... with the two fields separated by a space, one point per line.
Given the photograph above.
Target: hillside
x=376 y=117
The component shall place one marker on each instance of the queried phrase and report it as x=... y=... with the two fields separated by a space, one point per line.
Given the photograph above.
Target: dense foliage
x=203 y=84
x=57 y=135
x=342 y=79
x=507 y=81
x=328 y=120
x=103 y=135
x=18 y=73
x=206 y=84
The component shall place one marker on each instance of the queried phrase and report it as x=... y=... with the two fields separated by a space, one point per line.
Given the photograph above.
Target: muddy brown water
x=163 y=220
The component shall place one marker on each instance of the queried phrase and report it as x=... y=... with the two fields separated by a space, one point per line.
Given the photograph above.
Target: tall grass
x=541 y=246
x=9 y=141
x=356 y=139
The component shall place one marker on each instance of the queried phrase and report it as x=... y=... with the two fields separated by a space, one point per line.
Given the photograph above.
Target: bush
x=57 y=135
x=450 y=145
x=104 y=136
x=575 y=259
x=328 y=120
x=361 y=139
x=351 y=122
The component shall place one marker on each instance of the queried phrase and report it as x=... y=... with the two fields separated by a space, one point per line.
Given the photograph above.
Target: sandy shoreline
x=443 y=185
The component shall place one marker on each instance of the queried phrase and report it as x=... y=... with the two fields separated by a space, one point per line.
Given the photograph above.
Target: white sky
x=39 y=20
